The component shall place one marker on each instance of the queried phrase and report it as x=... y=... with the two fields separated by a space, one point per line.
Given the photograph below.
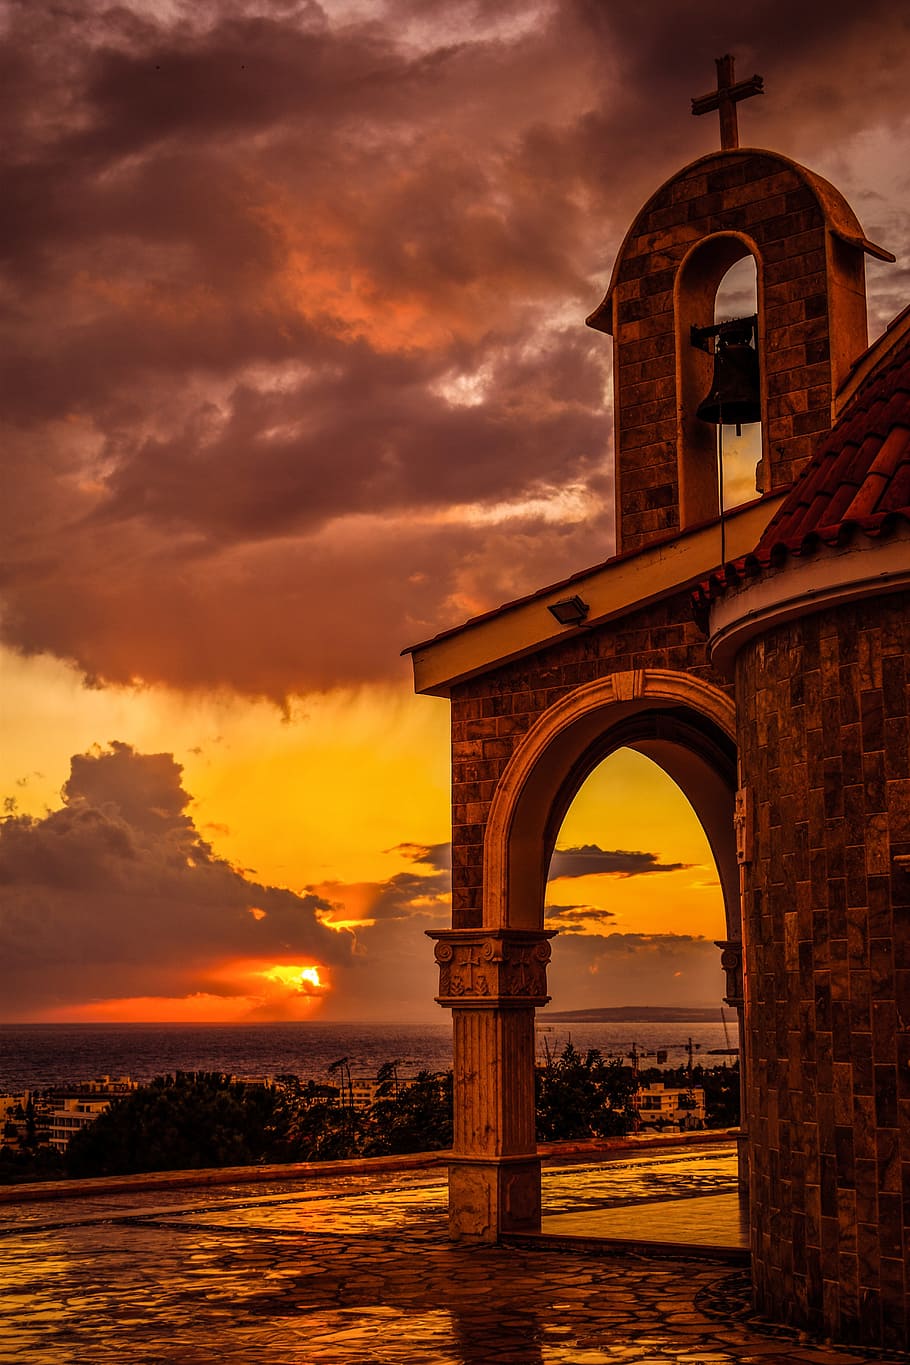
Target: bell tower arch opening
x=717 y=367
x=634 y=894
x=742 y=465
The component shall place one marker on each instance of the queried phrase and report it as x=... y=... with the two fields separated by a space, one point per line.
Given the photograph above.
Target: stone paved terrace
x=355 y=1269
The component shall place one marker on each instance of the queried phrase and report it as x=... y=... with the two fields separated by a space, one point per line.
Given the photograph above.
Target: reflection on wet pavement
x=705 y=1170
x=360 y=1270
x=681 y=1197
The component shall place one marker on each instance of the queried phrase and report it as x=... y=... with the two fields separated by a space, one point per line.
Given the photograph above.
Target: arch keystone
x=628 y=686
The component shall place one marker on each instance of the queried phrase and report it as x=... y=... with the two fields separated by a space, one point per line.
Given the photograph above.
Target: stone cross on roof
x=725 y=99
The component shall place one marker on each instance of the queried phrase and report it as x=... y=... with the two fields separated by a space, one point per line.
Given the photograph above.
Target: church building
x=759 y=653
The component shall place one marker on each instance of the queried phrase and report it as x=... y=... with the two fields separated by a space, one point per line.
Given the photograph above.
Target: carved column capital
x=492 y=968
x=731 y=960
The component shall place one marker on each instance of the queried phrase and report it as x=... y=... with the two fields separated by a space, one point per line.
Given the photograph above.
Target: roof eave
x=613 y=589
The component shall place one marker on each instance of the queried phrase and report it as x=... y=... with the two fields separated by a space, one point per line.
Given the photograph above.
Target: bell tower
x=808 y=249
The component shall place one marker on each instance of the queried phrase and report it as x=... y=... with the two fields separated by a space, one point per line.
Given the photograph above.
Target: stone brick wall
x=491 y=714
x=824 y=735
x=771 y=201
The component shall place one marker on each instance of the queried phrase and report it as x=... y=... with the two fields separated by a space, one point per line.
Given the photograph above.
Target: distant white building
x=661 y=1105
x=77 y=1112
x=74 y=1108
x=13 y=1101
x=106 y=1085
x=363 y=1091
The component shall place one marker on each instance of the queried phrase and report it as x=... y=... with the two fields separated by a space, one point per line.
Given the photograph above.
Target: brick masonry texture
x=824 y=735
x=771 y=202
x=491 y=714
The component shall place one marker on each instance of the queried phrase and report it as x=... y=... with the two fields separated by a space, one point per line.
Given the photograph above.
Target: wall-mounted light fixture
x=571 y=611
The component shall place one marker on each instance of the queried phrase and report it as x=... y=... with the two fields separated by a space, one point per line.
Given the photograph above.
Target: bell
x=734 y=397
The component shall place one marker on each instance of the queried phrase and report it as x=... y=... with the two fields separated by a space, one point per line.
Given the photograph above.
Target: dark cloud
x=438 y=856
x=116 y=894
x=408 y=896
x=284 y=295
x=588 y=860
x=575 y=919
x=264 y=618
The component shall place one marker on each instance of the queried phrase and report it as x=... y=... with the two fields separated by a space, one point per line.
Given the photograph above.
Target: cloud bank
x=592 y=970
x=116 y=895
x=294 y=369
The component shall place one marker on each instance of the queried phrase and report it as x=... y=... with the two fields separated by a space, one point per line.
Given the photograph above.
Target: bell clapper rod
x=720 y=487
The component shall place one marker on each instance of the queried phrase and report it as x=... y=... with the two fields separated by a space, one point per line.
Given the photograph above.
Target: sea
x=33 y=1056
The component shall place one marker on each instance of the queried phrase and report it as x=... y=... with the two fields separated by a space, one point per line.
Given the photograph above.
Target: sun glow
x=305 y=980
x=199 y=1008
x=251 y=991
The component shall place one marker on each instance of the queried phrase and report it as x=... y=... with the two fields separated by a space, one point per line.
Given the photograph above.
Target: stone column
x=493 y=981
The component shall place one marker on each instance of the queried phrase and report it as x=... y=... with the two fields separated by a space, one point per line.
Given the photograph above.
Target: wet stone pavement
x=359 y=1270
x=688 y=1197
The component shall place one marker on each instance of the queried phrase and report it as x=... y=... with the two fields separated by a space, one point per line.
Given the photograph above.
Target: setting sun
x=304 y=980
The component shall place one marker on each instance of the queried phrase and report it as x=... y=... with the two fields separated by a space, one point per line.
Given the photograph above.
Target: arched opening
x=687 y=762
x=740 y=448
x=719 y=278
x=634 y=893
x=635 y=976
x=493 y=977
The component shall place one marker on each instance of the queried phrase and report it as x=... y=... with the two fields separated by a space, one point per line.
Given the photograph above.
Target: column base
x=487 y=1197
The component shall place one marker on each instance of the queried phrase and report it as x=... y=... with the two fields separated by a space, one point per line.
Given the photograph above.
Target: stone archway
x=494 y=977
x=567 y=742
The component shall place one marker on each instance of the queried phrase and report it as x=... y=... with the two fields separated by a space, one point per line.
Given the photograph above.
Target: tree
x=19 y=1165
x=182 y=1122
x=582 y=1096
x=343 y=1068
x=410 y=1116
x=387 y=1080
x=326 y=1132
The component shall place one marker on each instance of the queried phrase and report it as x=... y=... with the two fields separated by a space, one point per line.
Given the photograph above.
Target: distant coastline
x=637 y=1014
x=33 y=1056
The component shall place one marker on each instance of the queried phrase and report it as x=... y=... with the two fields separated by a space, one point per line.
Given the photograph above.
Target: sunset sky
x=295 y=374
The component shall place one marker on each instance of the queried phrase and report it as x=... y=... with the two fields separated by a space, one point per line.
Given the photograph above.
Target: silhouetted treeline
x=579 y=1095
x=193 y=1120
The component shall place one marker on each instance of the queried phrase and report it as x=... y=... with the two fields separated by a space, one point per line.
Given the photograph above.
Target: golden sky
x=295 y=374
x=318 y=801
